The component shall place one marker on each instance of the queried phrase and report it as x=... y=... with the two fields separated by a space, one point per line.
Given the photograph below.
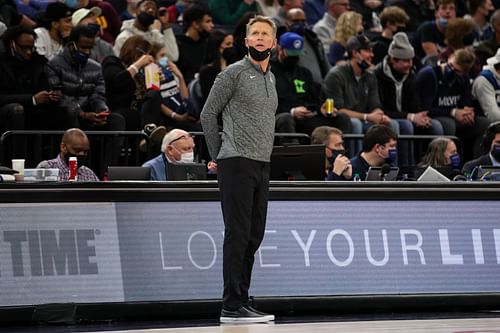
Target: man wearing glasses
x=23 y=83
x=177 y=147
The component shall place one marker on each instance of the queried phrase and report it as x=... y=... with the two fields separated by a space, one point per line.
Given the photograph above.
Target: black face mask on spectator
x=96 y=28
x=230 y=54
x=335 y=154
x=203 y=34
x=145 y=19
x=80 y=159
x=495 y=152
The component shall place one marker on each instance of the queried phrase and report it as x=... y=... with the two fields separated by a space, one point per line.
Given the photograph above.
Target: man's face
x=446 y=11
x=364 y=54
x=85 y=44
x=205 y=24
x=402 y=66
x=335 y=142
x=148 y=7
x=383 y=150
x=486 y=7
x=24 y=46
x=340 y=7
x=78 y=145
x=295 y=16
x=260 y=36
x=183 y=144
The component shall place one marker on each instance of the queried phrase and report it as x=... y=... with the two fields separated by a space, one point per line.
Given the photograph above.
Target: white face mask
x=186 y=157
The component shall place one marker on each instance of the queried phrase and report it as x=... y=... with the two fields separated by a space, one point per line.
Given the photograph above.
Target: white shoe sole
x=233 y=320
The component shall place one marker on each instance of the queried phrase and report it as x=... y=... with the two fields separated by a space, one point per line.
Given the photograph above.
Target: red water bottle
x=73 y=167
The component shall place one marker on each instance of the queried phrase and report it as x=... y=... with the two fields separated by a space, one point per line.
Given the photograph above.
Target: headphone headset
x=489 y=135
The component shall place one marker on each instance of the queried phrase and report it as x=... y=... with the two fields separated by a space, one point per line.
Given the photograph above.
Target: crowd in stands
x=405 y=67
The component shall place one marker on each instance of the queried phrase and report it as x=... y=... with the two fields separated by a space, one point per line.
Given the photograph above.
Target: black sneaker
x=251 y=308
x=244 y=315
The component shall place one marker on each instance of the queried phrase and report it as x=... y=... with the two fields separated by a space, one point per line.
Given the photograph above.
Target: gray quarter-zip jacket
x=248 y=100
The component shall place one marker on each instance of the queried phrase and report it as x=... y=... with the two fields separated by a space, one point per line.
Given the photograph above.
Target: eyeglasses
x=181 y=137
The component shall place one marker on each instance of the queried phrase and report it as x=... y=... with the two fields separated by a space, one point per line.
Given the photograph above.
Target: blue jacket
x=158 y=166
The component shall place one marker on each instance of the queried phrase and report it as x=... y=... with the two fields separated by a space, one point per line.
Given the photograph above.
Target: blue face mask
x=393 y=154
x=455 y=160
x=71 y=3
x=80 y=58
x=163 y=62
x=495 y=152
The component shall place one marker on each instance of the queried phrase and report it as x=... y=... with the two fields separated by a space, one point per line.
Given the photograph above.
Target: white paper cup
x=18 y=165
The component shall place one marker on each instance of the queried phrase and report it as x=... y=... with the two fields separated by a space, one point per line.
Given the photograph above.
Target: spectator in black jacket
x=398 y=95
x=445 y=91
x=82 y=84
x=24 y=89
x=491 y=147
x=299 y=105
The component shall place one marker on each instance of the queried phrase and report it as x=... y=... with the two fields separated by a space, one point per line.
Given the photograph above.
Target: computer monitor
x=298 y=162
x=129 y=173
x=187 y=171
x=375 y=174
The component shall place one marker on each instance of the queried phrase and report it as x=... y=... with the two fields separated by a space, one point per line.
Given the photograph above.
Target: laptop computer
x=375 y=174
x=432 y=175
x=129 y=173
x=187 y=171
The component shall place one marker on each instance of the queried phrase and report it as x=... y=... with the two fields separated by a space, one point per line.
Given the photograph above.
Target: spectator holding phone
x=82 y=84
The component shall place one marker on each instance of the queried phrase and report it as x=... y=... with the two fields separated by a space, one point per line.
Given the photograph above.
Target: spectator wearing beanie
x=397 y=92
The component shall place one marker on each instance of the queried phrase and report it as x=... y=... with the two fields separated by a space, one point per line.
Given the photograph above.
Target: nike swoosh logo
x=253 y=76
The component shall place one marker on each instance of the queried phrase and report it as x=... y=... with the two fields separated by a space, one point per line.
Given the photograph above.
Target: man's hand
x=342 y=166
x=301 y=112
x=376 y=116
x=422 y=119
x=42 y=97
x=465 y=116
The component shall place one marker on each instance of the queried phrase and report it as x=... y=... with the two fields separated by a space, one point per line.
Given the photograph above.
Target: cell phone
x=103 y=114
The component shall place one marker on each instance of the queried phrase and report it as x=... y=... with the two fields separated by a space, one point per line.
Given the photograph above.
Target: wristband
x=365 y=117
x=172 y=115
x=454 y=112
x=411 y=117
x=135 y=68
x=292 y=111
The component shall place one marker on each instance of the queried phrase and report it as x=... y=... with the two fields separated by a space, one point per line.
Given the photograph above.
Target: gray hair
x=263 y=19
x=171 y=136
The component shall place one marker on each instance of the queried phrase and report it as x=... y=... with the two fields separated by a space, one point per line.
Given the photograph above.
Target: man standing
x=246 y=96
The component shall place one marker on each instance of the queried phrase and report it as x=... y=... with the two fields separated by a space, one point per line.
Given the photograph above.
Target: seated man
x=177 y=147
x=337 y=164
x=74 y=143
x=82 y=84
x=491 y=145
x=299 y=106
x=379 y=147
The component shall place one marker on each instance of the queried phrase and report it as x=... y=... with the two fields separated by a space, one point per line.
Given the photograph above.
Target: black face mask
x=230 y=54
x=259 y=55
x=298 y=28
x=16 y=55
x=335 y=154
x=80 y=159
x=96 y=28
x=364 y=65
x=451 y=77
x=291 y=62
x=145 y=19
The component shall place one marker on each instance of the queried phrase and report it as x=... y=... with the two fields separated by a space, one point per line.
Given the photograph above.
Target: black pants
x=244 y=187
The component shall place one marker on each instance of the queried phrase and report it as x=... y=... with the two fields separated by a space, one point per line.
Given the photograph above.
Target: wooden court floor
x=472 y=325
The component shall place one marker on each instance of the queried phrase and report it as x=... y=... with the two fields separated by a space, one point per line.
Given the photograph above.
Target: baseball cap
x=293 y=43
x=82 y=13
x=495 y=59
x=358 y=42
x=56 y=11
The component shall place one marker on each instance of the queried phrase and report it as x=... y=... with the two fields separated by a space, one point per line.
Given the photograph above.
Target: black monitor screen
x=298 y=162
x=187 y=171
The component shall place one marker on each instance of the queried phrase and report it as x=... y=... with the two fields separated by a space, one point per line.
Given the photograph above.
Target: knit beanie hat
x=400 y=47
